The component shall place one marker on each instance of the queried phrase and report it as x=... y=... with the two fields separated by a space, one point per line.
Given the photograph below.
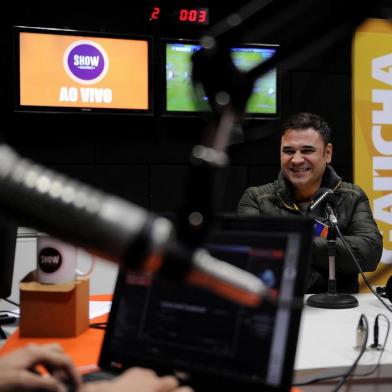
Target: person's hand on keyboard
x=47 y=368
x=21 y=370
x=137 y=380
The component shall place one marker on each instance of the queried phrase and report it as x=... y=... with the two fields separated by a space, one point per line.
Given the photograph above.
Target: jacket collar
x=285 y=190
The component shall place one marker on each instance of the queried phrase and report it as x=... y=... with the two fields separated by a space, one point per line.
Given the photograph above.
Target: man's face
x=303 y=158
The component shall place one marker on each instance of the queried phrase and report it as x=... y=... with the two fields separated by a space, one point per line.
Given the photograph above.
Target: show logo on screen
x=85 y=62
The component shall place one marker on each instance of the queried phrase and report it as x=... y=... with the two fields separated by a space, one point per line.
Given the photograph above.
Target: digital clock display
x=180 y=15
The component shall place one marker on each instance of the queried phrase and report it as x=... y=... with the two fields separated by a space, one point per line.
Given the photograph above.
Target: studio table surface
x=83 y=349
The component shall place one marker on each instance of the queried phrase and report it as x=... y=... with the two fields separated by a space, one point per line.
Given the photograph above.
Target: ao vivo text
x=85 y=94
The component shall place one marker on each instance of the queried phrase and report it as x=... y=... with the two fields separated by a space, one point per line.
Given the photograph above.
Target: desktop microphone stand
x=332 y=299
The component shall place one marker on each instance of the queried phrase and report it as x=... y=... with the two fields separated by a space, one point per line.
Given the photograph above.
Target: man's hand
x=19 y=369
x=137 y=380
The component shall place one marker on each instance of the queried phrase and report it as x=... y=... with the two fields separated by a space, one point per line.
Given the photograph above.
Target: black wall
x=145 y=159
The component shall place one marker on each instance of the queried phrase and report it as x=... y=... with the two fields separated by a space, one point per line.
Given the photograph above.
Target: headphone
x=386 y=291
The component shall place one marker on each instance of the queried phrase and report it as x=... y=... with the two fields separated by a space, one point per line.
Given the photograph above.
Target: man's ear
x=328 y=152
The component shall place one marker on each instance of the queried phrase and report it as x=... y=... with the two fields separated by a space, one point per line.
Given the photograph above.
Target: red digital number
x=183 y=15
x=202 y=16
x=192 y=16
x=155 y=13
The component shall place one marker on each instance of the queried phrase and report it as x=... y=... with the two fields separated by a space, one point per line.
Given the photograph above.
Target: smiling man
x=305 y=157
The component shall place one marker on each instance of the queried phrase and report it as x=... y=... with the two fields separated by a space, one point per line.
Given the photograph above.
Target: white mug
x=57 y=261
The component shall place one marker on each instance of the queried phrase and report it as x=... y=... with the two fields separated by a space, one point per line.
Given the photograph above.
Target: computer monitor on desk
x=8 y=233
x=213 y=343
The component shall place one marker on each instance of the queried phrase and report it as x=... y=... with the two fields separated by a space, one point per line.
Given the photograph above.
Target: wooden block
x=54 y=310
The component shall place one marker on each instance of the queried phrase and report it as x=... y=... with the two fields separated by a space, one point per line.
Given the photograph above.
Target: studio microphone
x=325 y=201
x=321 y=198
x=113 y=228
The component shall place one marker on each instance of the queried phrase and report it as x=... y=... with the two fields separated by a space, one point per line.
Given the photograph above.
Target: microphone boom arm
x=114 y=228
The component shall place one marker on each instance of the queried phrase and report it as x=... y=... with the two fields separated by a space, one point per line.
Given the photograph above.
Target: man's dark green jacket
x=355 y=221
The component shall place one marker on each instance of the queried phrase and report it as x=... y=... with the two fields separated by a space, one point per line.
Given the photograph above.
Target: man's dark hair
x=308 y=120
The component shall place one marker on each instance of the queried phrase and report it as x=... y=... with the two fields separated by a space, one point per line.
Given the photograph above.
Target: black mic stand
x=332 y=299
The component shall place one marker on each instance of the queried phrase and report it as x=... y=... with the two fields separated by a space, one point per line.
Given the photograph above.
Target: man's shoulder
x=262 y=190
x=349 y=188
x=257 y=199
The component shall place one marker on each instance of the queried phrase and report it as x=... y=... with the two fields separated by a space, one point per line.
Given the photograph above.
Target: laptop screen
x=173 y=327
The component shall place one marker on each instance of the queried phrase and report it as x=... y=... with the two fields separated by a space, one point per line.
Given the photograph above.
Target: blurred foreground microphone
x=113 y=228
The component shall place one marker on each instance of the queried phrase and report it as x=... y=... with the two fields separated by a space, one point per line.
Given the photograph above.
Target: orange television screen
x=67 y=70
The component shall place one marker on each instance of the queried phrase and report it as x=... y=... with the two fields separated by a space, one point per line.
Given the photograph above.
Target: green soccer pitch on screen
x=180 y=96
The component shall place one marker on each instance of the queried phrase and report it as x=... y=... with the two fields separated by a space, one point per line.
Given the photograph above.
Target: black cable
x=354 y=365
x=375 y=333
x=351 y=369
x=361 y=271
x=369 y=372
x=98 y=325
x=9 y=311
x=9 y=301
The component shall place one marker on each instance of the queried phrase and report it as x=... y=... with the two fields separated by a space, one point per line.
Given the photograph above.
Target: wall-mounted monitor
x=179 y=97
x=74 y=71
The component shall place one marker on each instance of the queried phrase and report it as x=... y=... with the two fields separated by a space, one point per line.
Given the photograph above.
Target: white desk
x=327 y=336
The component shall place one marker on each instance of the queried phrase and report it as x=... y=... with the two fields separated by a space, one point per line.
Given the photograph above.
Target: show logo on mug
x=49 y=260
x=57 y=261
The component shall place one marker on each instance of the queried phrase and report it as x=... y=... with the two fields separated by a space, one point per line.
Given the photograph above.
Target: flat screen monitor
x=8 y=233
x=75 y=71
x=179 y=93
x=210 y=342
